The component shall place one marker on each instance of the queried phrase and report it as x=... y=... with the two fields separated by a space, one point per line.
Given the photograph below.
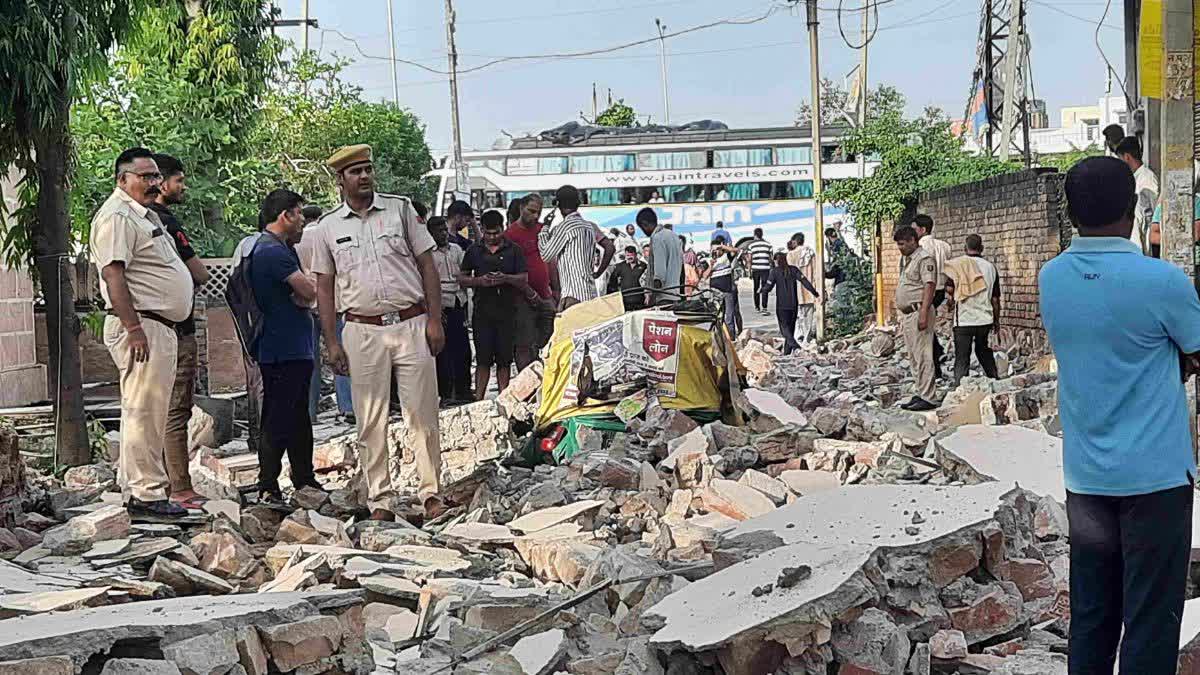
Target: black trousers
x=761 y=297
x=286 y=426
x=787 y=326
x=964 y=337
x=454 y=363
x=1129 y=567
x=938 y=352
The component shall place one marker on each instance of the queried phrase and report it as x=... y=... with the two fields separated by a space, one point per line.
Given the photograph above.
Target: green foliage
x=97 y=443
x=618 y=114
x=312 y=112
x=916 y=155
x=1066 y=160
x=854 y=298
x=836 y=109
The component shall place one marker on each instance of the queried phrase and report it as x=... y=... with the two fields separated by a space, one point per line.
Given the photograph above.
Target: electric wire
x=842 y=30
x=1128 y=103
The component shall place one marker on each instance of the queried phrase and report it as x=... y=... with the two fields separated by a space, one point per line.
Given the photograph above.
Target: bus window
x=602 y=163
x=748 y=157
x=652 y=161
x=793 y=156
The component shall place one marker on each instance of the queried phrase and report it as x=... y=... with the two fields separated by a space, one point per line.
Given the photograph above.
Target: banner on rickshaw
x=626 y=348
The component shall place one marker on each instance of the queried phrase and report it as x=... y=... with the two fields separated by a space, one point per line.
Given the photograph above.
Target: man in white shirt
x=1146 y=186
x=454 y=363
x=802 y=257
x=940 y=251
x=975 y=315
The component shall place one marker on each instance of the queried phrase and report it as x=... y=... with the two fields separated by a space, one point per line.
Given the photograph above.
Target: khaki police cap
x=348 y=156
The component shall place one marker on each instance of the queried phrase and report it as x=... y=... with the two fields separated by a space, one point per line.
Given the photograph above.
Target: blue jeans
x=341 y=383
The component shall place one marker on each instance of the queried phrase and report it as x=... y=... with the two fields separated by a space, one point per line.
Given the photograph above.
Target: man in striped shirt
x=571 y=244
x=760 y=269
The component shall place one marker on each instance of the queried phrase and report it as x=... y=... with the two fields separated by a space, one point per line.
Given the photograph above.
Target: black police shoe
x=161 y=508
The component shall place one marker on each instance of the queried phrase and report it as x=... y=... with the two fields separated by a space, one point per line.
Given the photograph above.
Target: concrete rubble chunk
x=773 y=489
x=252 y=655
x=140 y=667
x=480 y=533
x=89 y=475
x=547 y=518
x=735 y=500
x=208 y=654
x=1009 y=454
x=82 y=532
x=50 y=665
x=224 y=554
x=541 y=653
x=873 y=643
x=948 y=644
x=993 y=613
x=293 y=645
x=187 y=580
x=805 y=483
x=107 y=549
x=773 y=411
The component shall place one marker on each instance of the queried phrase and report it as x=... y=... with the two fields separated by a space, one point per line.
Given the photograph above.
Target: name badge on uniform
x=157 y=232
x=345 y=240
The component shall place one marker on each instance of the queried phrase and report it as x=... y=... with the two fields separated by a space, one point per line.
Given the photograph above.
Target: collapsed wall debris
x=818 y=529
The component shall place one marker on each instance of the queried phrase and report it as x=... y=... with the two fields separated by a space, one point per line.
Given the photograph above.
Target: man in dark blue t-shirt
x=284 y=350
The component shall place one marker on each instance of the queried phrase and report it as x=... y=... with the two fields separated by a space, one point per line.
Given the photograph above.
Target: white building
x=1080 y=127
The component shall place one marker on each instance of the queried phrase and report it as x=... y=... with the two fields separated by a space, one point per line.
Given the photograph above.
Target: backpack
x=239 y=294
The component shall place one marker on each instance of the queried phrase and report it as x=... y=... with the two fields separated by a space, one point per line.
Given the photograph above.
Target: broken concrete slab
x=772 y=488
x=836 y=536
x=187 y=580
x=735 y=500
x=805 y=483
x=773 y=411
x=541 y=653
x=547 y=518
x=208 y=654
x=16 y=579
x=479 y=533
x=82 y=532
x=81 y=633
x=1009 y=454
x=303 y=642
x=21 y=604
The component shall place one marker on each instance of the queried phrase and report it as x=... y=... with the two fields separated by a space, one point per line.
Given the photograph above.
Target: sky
x=748 y=75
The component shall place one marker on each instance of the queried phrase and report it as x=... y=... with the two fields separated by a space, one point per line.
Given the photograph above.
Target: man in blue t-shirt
x=1125 y=329
x=284 y=350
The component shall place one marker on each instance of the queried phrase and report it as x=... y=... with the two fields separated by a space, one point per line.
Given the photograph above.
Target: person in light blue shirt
x=1125 y=329
x=722 y=235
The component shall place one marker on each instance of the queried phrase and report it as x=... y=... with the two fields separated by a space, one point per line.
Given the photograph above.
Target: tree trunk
x=51 y=239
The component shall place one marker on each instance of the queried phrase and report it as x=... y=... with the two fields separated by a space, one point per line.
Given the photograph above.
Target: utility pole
x=595 y=110
x=662 y=59
x=1012 y=61
x=818 y=207
x=1178 y=98
x=392 y=47
x=304 y=11
x=462 y=181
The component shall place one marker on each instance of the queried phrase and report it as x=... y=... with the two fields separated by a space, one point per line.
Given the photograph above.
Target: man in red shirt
x=535 y=312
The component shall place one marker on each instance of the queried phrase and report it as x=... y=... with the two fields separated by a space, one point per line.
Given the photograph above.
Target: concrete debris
x=815 y=528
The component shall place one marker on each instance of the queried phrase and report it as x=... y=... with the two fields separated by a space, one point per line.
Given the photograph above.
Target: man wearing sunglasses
x=147 y=290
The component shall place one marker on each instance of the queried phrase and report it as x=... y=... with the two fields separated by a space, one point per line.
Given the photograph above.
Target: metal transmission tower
x=998 y=106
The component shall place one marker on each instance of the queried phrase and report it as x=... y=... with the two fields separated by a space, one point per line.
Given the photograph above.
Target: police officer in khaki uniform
x=147 y=289
x=914 y=305
x=374 y=261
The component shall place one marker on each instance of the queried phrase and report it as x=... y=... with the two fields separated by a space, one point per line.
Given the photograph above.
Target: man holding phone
x=495 y=268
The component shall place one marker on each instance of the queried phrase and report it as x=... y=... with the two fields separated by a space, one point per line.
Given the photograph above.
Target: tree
x=915 y=155
x=836 y=108
x=47 y=49
x=618 y=114
x=312 y=112
x=1065 y=160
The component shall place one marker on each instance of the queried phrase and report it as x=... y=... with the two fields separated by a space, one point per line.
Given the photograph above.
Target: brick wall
x=22 y=380
x=1021 y=220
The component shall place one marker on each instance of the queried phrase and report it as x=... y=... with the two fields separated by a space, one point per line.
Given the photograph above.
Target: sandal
x=192 y=503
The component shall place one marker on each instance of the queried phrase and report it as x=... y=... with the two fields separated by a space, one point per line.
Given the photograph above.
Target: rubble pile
x=815 y=529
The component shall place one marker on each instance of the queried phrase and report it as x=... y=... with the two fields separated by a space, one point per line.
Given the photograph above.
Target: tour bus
x=745 y=178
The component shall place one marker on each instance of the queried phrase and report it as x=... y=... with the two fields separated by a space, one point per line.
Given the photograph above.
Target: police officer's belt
x=909 y=310
x=389 y=319
x=149 y=315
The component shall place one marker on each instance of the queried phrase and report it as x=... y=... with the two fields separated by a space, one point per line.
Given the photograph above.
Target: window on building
x=602 y=163
x=748 y=157
x=793 y=156
x=652 y=161
x=603 y=196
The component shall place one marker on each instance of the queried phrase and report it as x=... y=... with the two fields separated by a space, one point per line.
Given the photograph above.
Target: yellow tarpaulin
x=1150 y=49
x=697 y=383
